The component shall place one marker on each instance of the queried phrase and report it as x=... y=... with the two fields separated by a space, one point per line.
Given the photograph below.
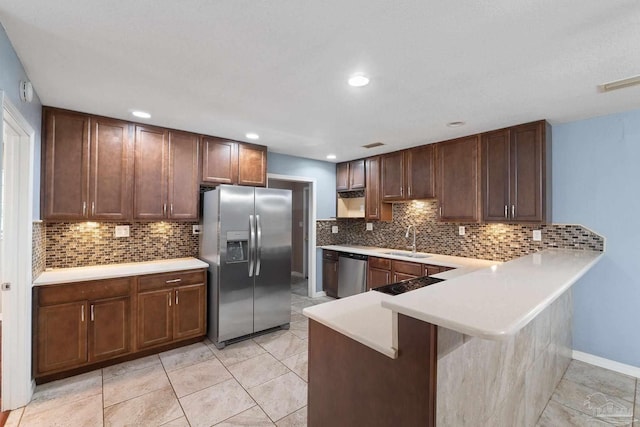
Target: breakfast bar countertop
x=493 y=302
x=97 y=272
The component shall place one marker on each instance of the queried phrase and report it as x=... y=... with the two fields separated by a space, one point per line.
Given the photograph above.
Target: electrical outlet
x=334 y=229
x=369 y=226
x=122 y=231
x=537 y=235
x=461 y=230
x=196 y=229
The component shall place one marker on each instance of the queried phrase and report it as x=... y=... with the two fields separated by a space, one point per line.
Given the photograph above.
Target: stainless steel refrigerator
x=246 y=240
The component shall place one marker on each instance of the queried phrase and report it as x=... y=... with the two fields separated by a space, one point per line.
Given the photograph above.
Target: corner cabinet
x=458 y=179
x=88 y=167
x=83 y=325
x=231 y=162
x=166 y=174
x=514 y=174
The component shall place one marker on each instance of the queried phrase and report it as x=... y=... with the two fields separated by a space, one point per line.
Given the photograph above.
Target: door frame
x=311 y=244
x=17 y=385
x=305 y=221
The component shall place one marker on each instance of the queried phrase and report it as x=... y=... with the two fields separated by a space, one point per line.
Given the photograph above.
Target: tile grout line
x=173 y=390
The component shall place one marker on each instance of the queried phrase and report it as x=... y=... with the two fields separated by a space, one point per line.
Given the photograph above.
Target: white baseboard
x=634 y=371
x=297 y=274
x=318 y=294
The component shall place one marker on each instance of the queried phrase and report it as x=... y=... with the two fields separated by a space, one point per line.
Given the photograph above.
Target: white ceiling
x=279 y=67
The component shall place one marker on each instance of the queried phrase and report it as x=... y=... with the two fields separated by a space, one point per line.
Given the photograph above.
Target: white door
x=16 y=202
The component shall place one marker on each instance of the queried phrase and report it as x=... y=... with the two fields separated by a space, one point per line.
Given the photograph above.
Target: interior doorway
x=16 y=213
x=303 y=235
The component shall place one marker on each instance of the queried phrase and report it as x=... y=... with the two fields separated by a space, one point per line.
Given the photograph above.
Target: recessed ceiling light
x=620 y=84
x=251 y=135
x=141 y=114
x=455 y=124
x=331 y=156
x=358 y=80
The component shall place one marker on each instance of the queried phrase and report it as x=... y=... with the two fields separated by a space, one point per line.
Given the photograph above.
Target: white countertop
x=496 y=302
x=461 y=265
x=97 y=272
x=481 y=298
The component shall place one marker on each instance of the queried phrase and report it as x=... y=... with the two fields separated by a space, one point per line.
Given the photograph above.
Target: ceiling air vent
x=373 y=145
x=620 y=84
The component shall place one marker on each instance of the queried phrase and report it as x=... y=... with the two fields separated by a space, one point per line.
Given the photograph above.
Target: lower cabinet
x=330 y=273
x=171 y=307
x=81 y=324
x=384 y=271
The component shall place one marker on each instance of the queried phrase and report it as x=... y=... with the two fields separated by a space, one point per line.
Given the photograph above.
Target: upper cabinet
x=166 y=174
x=87 y=167
x=231 y=162
x=458 y=179
x=350 y=175
x=374 y=209
x=408 y=174
x=514 y=174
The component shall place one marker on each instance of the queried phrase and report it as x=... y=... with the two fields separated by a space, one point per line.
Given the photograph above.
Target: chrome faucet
x=413 y=247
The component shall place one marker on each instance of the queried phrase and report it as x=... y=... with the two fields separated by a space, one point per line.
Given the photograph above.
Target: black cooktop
x=408 y=285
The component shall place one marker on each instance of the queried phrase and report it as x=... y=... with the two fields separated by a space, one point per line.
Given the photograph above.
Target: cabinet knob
x=169 y=298
x=506 y=211
x=401 y=191
x=84 y=208
x=93 y=208
x=177 y=298
x=92 y=313
x=164 y=209
x=82 y=313
x=513 y=211
x=409 y=191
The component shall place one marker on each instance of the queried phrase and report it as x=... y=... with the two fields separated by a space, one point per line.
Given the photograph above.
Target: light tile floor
x=263 y=382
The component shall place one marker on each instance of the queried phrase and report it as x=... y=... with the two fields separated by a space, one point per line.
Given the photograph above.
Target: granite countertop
x=492 y=302
x=97 y=272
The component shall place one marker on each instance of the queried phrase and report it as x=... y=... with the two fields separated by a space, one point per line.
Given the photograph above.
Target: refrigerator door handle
x=252 y=239
x=258 y=245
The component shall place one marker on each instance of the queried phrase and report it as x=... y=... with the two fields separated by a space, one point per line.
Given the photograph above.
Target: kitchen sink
x=407 y=254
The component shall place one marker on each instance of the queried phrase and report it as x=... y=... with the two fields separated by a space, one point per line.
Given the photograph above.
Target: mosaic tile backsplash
x=82 y=244
x=499 y=242
x=38 y=254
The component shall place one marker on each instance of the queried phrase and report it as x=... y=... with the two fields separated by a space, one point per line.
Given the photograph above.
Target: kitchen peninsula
x=485 y=347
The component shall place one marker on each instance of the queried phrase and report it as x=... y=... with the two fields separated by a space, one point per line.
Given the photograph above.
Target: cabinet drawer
x=381 y=263
x=333 y=255
x=82 y=291
x=405 y=267
x=164 y=280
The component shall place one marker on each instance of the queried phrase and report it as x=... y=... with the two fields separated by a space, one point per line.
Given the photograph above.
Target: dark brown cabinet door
x=150 y=193
x=374 y=208
x=342 y=176
x=252 y=165
x=420 y=180
x=219 y=161
x=62 y=336
x=458 y=179
x=154 y=315
x=110 y=178
x=184 y=184
x=392 y=176
x=330 y=273
x=527 y=194
x=110 y=326
x=66 y=163
x=189 y=316
x=496 y=175
x=377 y=277
x=356 y=175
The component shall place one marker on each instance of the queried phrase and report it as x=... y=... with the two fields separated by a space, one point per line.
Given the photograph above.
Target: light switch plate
x=461 y=230
x=369 y=226
x=122 y=231
x=334 y=229
x=196 y=229
x=537 y=235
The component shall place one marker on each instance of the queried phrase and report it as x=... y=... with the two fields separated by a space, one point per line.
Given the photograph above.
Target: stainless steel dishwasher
x=352 y=274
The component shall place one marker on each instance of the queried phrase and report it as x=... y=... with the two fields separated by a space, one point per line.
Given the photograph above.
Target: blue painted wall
x=325 y=175
x=11 y=73
x=596 y=183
